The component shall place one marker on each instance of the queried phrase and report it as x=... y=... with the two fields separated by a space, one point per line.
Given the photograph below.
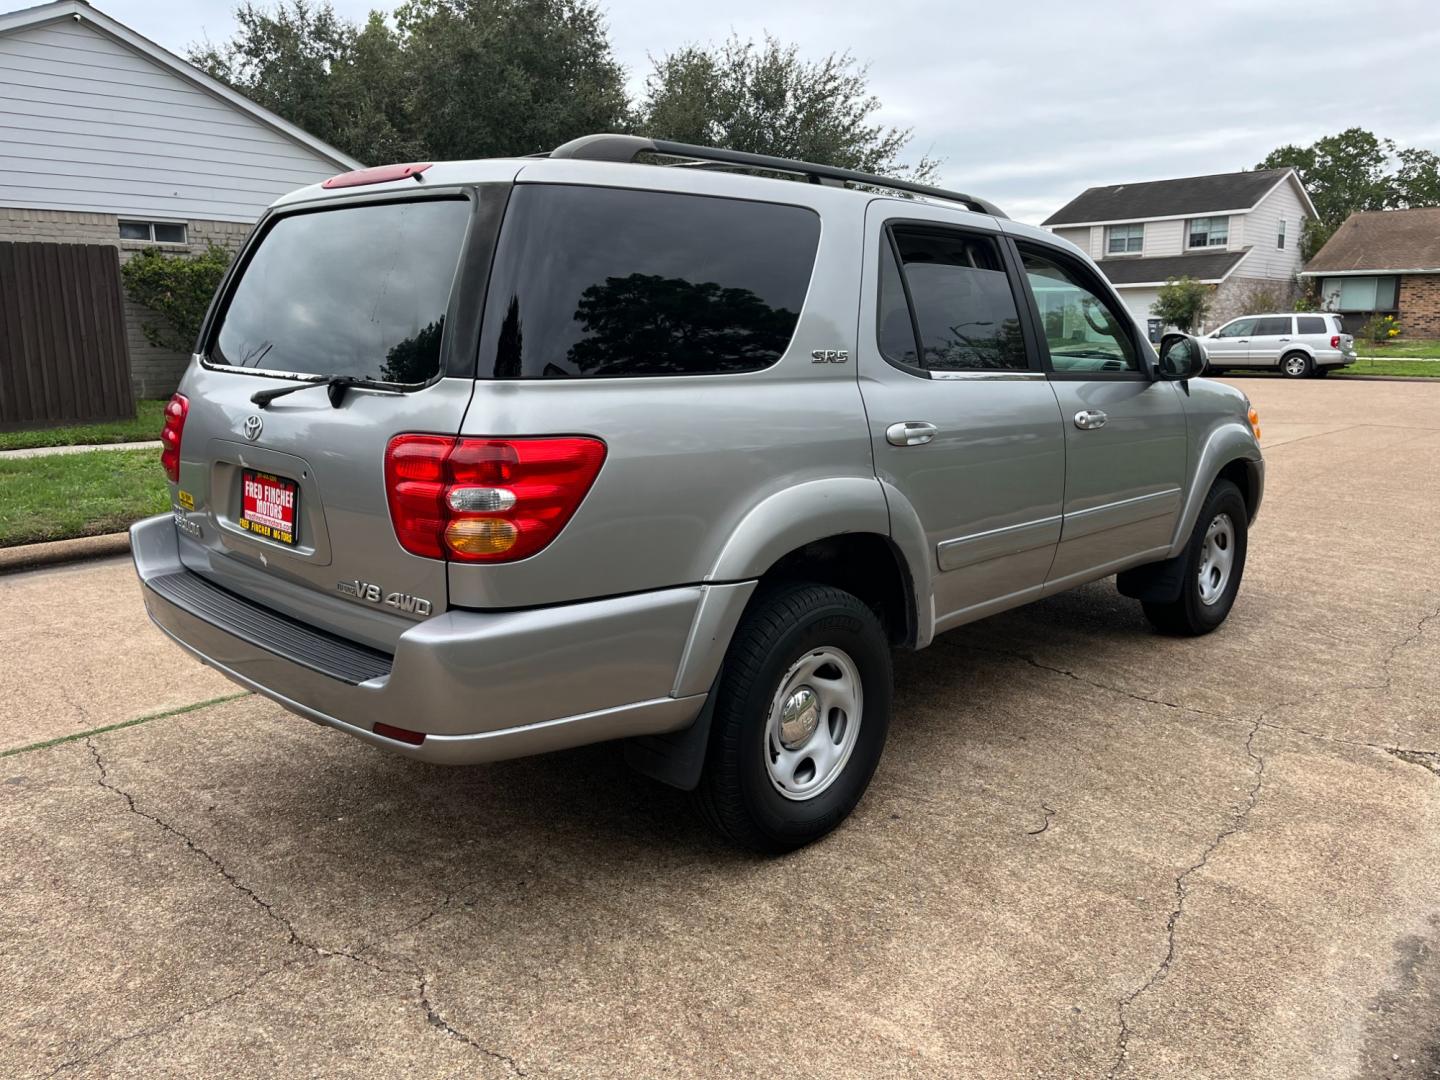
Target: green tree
x=1355 y=170
x=1182 y=303
x=450 y=79
x=177 y=288
x=766 y=99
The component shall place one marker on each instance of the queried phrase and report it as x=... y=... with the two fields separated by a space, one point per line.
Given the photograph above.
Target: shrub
x=1182 y=303
x=1380 y=329
x=178 y=289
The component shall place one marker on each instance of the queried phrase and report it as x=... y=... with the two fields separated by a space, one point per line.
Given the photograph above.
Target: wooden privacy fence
x=63 y=353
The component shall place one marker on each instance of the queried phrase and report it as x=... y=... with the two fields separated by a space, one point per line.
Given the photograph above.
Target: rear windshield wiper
x=335 y=386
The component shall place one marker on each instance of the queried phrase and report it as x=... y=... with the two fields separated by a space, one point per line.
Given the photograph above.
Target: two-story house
x=1239 y=232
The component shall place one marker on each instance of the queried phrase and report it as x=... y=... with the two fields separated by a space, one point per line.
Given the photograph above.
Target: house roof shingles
x=1382 y=240
x=1207 y=266
x=1189 y=195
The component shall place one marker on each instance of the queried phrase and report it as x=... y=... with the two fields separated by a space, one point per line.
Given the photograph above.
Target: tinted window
x=1083 y=330
x=1310 y=324
x=962 y=301
x=602 y=282
x=1272 y=327
x=895 y=330
x=359 y=291
x=1238 y=328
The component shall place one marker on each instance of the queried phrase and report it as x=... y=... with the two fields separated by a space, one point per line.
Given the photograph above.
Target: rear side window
x=359 y=291
x=961 y=303
x=1273 y=326
x=1311 y=324
x=594 y=282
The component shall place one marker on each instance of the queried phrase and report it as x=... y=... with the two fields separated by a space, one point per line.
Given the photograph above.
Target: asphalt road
x=1089 y=851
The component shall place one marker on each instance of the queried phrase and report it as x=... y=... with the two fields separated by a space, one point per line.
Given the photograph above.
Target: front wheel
x=1214 y=565
x=801 y=719
x=1296 y=365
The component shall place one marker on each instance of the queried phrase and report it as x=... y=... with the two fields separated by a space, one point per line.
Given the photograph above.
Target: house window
x=1280 y=235
x=155 y=232
x=1124 y=239
x=1360 y=293
x=1208 y=232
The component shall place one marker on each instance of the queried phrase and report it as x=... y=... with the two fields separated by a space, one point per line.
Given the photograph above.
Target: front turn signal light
x=1255 y=422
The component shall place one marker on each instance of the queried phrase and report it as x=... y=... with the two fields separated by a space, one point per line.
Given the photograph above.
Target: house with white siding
x=106 y=138
x=1239 y=232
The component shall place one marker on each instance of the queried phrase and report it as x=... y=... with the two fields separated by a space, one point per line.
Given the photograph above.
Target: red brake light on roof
x=380 y=174
x=176 y=410
x=486 y=500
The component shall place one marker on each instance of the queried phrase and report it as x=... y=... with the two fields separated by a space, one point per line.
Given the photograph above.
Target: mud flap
x=678 y=757
x=1154 y=583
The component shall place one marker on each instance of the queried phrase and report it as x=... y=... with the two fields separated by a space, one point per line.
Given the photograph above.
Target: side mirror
x=1181 y=357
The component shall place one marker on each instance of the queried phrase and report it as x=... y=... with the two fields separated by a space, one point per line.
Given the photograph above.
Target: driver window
x=1238 y=328
x=1082 y=330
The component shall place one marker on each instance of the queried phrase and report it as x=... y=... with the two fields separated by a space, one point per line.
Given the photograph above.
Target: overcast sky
x=1031 y=101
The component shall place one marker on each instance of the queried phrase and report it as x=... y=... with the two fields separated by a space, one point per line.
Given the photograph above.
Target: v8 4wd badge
x=373 y=594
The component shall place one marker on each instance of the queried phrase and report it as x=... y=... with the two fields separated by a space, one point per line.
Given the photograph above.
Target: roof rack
x=626 y=148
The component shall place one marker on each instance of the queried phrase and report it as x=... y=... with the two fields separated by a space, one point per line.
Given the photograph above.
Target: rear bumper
x=1334 y=359
x=482 y=686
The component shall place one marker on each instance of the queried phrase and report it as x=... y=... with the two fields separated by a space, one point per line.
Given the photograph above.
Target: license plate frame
x=264 y=509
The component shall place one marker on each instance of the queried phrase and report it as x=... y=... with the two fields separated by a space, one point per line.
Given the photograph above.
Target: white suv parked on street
x=1298 y=345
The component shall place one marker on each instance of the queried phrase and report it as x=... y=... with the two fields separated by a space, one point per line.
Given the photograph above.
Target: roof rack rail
x=626 y=148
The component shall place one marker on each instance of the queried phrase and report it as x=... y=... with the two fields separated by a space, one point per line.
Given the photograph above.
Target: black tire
x=1302 y=370
x=1189 y=615
x=736 y=794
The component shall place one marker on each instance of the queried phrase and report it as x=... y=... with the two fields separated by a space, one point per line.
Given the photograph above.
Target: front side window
x=1273 y=326
x=1083 y=330
x=593 y=282
x=1237 y=329
x=960 y=303
x=1124 y=239
x=1208 y=232
x=1280 y=234
x=358 y=291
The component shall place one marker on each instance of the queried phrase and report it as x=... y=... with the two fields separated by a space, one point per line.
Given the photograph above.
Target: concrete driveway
x=1089 y=851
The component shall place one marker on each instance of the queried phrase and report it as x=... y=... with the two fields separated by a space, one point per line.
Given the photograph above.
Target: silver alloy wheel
x=814 y=723
x=1295 y=365
x=1217 y=557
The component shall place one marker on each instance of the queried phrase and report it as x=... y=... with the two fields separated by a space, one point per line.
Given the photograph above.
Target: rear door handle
x=910 y=433
x=1090 y=419
x=1284 y=339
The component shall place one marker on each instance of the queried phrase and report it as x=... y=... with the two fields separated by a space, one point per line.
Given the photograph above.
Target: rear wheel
x=801 y=718
x=1296 y=365
x=1214 y=565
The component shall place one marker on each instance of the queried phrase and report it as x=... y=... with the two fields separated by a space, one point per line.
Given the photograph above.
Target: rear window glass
x=601 y=283
x=359 y=291
x=1310 y=324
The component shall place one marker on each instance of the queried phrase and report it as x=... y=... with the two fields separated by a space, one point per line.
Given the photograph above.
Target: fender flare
x=1231 y=441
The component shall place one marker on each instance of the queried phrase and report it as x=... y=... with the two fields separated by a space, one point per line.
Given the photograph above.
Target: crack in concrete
x=293 y=937
x=1426 y=759
x=1049 y=813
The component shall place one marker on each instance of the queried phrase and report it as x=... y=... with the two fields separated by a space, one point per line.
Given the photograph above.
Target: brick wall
x=1240 y=295
x=1420 y=305
x=154 y=372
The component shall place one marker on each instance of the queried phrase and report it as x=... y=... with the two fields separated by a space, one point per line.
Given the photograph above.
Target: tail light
x=485 y=500
x=176 y=410
x=1334 y=341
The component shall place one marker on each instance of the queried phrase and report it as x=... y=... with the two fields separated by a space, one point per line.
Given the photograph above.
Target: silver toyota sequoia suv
x=490 y=458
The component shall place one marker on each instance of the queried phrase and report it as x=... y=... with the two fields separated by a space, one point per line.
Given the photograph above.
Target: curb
x=58 y=552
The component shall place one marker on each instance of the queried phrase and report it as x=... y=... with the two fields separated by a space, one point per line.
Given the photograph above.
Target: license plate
x=268 y=505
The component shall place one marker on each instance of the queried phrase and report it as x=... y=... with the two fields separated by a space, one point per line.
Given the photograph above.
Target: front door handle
x=1090 y=419
x=910 y=433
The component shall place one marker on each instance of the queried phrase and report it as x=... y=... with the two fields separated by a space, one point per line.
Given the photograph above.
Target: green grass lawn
x=1401 y=348
x=149 y=417
x=68 y=495
x=1390 y=367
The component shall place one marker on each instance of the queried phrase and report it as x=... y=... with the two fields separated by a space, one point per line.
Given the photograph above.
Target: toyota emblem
x=253 y=424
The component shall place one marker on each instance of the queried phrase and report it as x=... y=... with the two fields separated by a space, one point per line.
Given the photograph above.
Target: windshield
x=360 y=291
